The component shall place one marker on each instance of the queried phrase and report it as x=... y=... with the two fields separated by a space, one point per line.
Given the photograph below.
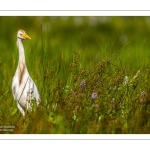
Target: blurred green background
x=89 y=34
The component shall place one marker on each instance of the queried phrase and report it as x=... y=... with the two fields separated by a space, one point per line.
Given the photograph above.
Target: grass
x=69 y=63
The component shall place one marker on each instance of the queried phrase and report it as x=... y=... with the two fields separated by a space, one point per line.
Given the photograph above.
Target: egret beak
x=26 y=36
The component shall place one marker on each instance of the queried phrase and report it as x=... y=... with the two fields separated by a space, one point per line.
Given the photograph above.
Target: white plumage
x=23 y=88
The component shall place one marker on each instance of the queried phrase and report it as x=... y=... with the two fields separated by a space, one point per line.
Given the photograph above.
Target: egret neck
x=21 y=51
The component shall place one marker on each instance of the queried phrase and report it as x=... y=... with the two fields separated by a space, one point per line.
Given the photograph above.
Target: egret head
x=22 y=35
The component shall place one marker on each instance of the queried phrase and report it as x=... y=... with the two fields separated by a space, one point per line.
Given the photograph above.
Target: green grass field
x=92 y=73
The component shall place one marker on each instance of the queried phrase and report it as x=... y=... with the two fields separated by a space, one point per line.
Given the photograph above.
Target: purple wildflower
x=83 y=83
x=94 y=95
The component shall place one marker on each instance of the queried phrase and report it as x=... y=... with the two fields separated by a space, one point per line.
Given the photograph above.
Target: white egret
x=23 y=88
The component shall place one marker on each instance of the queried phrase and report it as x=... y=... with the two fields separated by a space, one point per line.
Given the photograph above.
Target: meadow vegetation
x=92 y=73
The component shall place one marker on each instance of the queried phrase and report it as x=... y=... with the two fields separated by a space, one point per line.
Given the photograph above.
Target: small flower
x=143 y=93
x=141 y=101
x=95 y=105
x=66 y=89
x=113 y=100
x=113 y=103
x=126 y=80
x=83 y=83
x=94 y=95
x=115 y=88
